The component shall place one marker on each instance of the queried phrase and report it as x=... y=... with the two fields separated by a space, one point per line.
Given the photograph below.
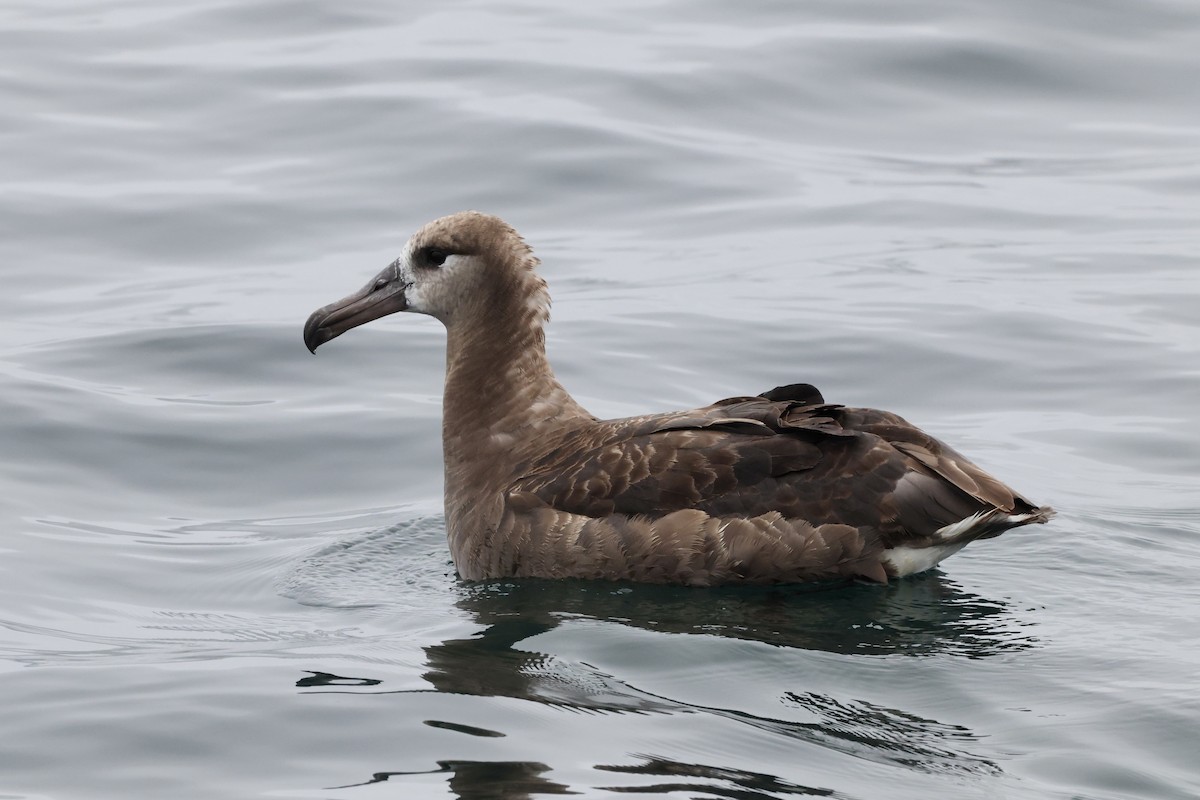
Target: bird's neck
x=502 y=403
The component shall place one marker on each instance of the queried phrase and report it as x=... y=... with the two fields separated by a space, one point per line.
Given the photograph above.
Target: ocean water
x=223 y=569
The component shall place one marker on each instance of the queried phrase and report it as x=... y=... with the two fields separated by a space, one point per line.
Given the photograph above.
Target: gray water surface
x=223 y=569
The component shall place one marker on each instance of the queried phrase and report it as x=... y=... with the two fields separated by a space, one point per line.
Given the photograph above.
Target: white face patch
x=412 y=292
x=423 y=282
x=452 y=261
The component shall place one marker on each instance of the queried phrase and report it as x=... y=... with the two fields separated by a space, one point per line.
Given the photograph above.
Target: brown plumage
x=779 y=487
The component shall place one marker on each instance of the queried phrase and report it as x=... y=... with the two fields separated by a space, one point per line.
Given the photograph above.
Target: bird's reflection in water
x=918 y=617
x=485 y=780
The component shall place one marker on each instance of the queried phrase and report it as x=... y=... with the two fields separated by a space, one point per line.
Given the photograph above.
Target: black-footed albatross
x=781 y=487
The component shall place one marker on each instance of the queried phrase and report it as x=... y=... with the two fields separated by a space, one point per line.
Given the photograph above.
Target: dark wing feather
x=784 y=451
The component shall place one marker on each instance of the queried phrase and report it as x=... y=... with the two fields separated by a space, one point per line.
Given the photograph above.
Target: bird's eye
x=379 y=284
x=436 y=257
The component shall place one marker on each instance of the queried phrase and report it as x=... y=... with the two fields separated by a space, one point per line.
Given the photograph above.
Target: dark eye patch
x=435 y=256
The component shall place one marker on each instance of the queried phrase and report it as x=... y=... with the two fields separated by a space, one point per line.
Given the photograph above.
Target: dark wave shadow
x=522 y=780
x=715 y=781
